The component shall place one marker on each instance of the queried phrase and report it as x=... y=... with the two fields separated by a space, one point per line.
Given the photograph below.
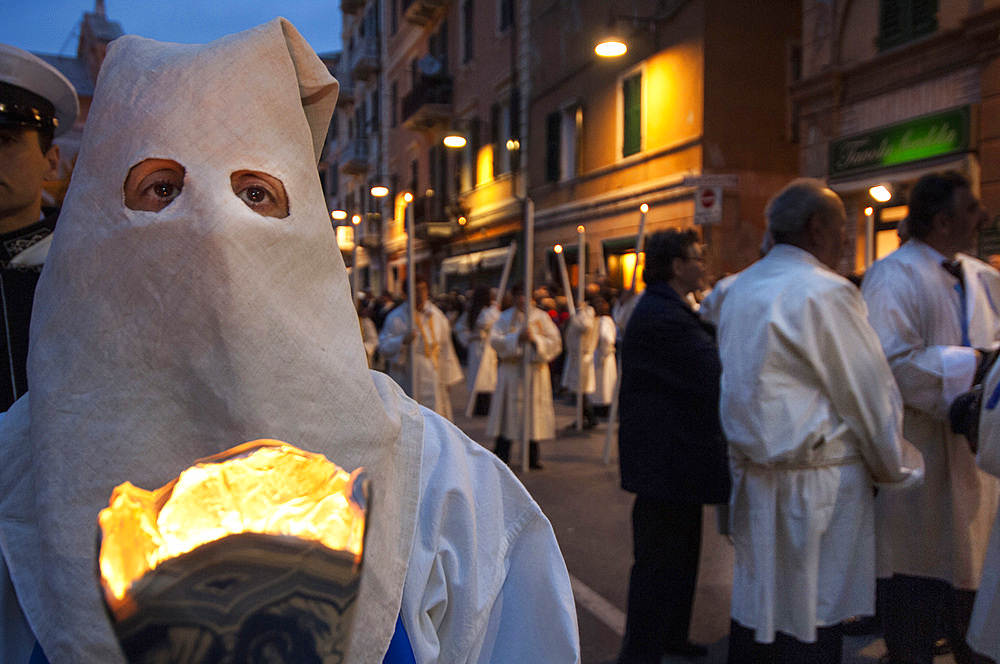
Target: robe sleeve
x=929 y=376
x=546 y=338
x=505 y=343
x=451 y=369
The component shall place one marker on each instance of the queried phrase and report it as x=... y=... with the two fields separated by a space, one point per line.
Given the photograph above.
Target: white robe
x=939 y=529
x=605 y=364
x=507 y=406
x=813 y=419
x=984 y=627
x=581 y=342
x=437 y=366
x=481 y=365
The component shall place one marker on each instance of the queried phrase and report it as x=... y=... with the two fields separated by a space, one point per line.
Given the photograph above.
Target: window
x=468 y=31
x=505 y=18
x=438 y=46
x=901 y=21
x=632 y=114
x=500 y=133
x=553 y=141
x=562 y=143
x=394 y=104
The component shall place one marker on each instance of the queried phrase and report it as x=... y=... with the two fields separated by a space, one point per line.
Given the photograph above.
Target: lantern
x=251 y=555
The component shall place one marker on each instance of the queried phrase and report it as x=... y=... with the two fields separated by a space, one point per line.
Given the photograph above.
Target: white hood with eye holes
x=162 y=337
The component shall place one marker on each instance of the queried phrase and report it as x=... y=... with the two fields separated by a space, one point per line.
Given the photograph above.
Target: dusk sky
x=53 y=26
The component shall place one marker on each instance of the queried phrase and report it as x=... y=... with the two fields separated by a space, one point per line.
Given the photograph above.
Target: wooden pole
x=529 y=277
x=411 y=273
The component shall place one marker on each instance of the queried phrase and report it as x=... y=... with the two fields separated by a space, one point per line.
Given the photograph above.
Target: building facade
x=892 y=90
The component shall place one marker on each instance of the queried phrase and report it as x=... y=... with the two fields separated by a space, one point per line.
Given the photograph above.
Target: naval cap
x=33 y=93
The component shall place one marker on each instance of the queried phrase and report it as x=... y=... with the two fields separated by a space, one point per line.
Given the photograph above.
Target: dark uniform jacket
x=670 y=440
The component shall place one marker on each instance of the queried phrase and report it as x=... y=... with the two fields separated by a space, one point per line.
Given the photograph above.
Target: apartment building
x=891 y=90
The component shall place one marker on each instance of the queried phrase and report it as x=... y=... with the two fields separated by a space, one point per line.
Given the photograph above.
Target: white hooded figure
x=194 y=299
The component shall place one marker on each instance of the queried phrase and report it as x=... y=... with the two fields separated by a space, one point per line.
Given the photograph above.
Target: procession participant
x=511 y=338
x=671 y=449
x=984 y=624
x=578 y=358
x=935 y=313
x=429 y=344
x=194 y=299
x=813 y=418
x=37 y=103
x=605 y=364
x=473 y=332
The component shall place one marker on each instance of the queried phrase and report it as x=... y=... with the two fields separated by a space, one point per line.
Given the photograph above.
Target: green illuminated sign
x=921 y=138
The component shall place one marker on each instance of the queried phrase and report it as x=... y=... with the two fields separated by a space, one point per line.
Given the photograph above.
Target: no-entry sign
x=708 y=205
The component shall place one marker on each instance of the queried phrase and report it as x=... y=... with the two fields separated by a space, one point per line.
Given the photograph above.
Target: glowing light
x=513 y=144
x=355 y=220
x=462 y=221
x=611 y=48
x=869 y=211
x=408 y=197
x=454 y=141
x=880 y=193
x=644 y=208
x=558 y=248
x=378 y=191
x=339 y=215
x=579 y=229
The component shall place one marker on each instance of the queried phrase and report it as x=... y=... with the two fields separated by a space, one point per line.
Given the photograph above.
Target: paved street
x=591 y=518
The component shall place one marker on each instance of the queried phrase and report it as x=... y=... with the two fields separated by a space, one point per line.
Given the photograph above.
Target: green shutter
x=632 y=115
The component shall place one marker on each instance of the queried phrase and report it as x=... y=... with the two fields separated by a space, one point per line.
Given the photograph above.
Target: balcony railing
x=428 y=104
x=425 y=12
x=356 y=159
x=364 y=60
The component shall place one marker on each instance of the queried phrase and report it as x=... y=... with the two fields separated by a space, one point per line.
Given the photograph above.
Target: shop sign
x=921 y=138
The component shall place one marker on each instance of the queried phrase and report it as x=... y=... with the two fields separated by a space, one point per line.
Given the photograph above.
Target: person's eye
x=262 y=193
x=153 y=184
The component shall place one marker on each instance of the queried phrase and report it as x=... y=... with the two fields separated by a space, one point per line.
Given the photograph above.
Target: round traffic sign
x=707 y=198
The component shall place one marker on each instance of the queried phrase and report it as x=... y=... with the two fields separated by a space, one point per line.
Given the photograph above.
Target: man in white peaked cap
x=37 y=103
x=193 y=299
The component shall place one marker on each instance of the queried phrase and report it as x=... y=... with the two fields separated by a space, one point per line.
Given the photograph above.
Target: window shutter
x=553 y=123
x=632 y=115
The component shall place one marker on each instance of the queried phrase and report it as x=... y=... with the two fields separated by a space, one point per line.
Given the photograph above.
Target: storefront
x=874 y=171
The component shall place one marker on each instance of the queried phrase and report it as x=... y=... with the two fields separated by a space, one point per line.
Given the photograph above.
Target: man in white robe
x=578 y=363
x=511 y=339
x=934 y=322
x=605 y=361
x=813 y=419
x=429 y=344
x=209 y=306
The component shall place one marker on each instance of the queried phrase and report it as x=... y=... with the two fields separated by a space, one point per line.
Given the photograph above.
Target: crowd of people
x=188 y=305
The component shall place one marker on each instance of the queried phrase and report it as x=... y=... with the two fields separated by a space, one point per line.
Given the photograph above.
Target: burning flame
x=275 y=489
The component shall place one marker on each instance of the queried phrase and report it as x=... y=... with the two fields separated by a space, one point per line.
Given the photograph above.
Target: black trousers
x=744 y=649
x=666 y=543
x=911 y=608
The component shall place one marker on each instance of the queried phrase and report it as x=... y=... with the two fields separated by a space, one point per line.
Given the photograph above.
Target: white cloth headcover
x=162 y=337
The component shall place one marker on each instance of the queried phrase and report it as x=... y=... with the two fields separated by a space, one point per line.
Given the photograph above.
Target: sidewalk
x=591 y=515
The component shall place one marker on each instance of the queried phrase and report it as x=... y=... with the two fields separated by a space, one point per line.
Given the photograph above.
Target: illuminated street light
x=455 y=140
x=378 y=191
x=338 y=215
x=880 y=193
x=611 y=46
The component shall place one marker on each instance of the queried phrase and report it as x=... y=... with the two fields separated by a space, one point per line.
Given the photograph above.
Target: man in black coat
x=671 y=448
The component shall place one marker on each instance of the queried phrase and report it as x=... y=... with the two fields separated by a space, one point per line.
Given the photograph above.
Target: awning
x=488 y=259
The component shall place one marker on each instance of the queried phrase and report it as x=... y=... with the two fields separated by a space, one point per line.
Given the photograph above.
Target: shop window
x=902 y=21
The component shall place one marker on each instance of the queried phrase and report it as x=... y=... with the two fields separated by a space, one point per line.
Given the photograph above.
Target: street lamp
x=338 y=215
x=881 y=193
x=379 y=191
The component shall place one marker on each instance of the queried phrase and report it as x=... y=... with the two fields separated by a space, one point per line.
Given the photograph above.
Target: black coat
x=670 y=440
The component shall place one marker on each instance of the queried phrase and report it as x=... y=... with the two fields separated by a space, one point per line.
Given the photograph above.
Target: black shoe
x=534 y=457
x=687 y=649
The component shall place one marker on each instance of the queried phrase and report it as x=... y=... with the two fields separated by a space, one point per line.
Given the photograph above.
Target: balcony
x=355 y=160
x=424 y=12
x=346 y=95
x=429 y=104
x=364 y=60
x=430 y=220
x=352 y=6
